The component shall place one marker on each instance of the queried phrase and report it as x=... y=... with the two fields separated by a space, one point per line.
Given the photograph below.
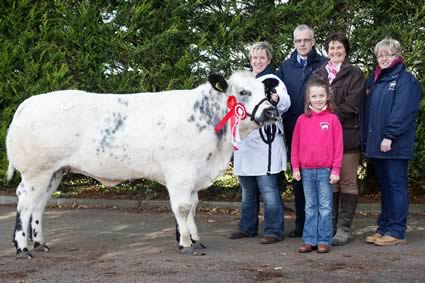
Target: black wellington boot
x=335 y=209
x=348 y=204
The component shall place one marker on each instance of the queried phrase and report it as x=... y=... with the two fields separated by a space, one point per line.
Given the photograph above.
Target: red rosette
x=240 y=111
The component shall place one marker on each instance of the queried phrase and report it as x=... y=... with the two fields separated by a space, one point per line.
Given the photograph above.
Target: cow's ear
x=218 y=82
x=270 y=84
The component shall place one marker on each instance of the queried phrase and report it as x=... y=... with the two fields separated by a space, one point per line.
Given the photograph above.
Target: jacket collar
x=266 y=71
x=312 y=56
x=390 y=73
x=378 y=71
x=323 y=112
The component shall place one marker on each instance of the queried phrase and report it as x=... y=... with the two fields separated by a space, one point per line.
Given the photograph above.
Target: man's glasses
x=305 y=40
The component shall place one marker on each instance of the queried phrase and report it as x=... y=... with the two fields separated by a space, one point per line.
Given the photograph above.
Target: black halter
x=252 y=115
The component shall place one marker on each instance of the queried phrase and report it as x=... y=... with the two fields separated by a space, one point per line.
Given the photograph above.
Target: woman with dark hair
x=348 y=86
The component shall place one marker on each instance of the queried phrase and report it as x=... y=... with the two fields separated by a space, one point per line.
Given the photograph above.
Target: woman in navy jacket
x=388 y=137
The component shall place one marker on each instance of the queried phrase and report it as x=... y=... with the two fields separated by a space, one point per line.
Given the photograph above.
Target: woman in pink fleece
x=316 y=157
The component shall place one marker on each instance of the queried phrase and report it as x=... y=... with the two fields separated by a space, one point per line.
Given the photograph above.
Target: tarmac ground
x=133 y=245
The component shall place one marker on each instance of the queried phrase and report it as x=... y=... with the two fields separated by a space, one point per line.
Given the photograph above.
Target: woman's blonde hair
x=317 y=82
x=388 y=44
x=261 y=45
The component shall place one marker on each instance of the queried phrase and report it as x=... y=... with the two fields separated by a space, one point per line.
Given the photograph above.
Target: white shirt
x=251 y=159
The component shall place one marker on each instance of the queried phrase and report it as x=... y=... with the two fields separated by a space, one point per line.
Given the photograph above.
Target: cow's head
x=253 y=94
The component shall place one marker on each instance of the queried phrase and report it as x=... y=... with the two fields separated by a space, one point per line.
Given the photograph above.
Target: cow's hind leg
x=29 y=193
x=37 y=215
x=196 y=241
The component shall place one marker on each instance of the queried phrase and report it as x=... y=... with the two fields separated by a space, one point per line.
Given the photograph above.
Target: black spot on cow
x=30 y=229
x=196 y=106
x=118 y=122
x=18 y=223
x=18 y=190
x=23 y=233
x=49 y=187
x=209 y=156
x=201 y=127
x=208 y=111
x=37 y=222
x=123 y=101
x=112 y=126
x=221 y=134
x=34 y=233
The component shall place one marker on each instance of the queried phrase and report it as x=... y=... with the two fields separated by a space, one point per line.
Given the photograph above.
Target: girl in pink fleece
x=316 y=157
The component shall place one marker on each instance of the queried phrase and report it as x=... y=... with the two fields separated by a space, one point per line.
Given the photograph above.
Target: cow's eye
x=245 y=92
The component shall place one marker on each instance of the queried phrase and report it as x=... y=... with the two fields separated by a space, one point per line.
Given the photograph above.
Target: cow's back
x=109 y=137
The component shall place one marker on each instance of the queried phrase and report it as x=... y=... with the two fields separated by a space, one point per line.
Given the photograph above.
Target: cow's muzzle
x=268 y=115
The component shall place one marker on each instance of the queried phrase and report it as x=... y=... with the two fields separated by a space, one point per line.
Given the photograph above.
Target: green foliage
x=136 y=46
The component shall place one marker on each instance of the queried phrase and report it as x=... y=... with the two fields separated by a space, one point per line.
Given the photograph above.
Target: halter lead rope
x=270 y=131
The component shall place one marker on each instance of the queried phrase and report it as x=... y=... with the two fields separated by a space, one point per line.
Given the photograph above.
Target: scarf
x=332 y=70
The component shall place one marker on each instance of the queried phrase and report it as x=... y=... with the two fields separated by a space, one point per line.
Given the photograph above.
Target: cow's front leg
x=180 y=204
x=196 y=240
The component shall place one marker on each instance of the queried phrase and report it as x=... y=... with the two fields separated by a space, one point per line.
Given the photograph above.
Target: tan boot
x=389 y=241
x=372 y=238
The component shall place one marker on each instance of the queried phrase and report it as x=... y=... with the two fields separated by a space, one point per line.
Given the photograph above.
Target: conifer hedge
x=152 y=45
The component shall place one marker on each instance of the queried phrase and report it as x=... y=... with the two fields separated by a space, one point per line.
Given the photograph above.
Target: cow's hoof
x=198 y=245
x=187 y=250
x=40 y=247
x=24 y=254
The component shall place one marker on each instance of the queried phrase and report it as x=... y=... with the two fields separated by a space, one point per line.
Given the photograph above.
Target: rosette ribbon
x=236 y=113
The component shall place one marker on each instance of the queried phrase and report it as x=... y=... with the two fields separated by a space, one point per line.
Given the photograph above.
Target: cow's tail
x=10 y=171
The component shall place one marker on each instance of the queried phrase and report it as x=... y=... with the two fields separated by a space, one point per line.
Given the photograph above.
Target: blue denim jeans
x=392 y=179
x=269 y=187
x=318 y=206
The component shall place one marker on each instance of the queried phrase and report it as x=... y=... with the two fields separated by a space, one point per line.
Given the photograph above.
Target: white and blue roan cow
x=167 y=137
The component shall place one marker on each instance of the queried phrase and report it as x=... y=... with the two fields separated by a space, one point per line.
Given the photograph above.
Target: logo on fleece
x=324 y=126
